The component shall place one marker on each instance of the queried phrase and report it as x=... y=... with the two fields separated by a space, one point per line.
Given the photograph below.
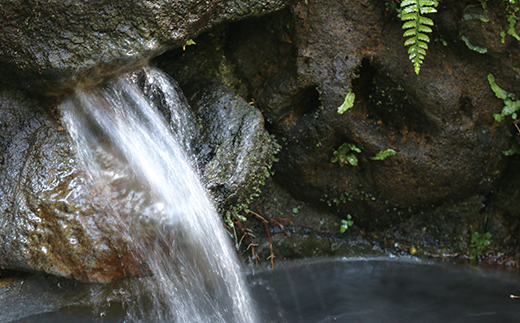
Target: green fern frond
x=416 y=26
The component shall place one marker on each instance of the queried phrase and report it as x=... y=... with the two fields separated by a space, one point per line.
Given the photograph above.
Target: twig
x=271 y=257
x=247 y=235
x=277 y=221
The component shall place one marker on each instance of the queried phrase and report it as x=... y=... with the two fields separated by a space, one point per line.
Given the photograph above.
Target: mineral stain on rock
x=50 y=220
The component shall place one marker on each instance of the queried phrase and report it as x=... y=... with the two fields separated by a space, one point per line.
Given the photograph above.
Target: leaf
x=425 y=29
x=498 y=117
x=515 y=149
x=188 y=43
x=382 y=155
x=479 y=242
x=354 y=148
x=345 y=154
x=480 y=50
x=407 y=3
x=352 y=159
x=411 y=41
x=416 y=26
x=511 y=107
x=425 y=10
x=409 y=24
x=512 y=23
x=346 y=224
x=425 y=21
x=348 y=103
x=423 y=37
x=344 y=148
x=501 y=94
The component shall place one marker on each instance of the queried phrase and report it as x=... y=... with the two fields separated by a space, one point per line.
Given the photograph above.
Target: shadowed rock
x=234 y=150
x=54 y=46
x=440 y=122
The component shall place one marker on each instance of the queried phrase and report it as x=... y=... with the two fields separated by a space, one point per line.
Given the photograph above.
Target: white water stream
x=139 y=163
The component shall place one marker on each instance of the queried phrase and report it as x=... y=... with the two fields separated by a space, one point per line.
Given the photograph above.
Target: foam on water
x=139 y=161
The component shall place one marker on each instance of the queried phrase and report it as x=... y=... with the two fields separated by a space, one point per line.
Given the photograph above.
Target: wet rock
x=296 y=229
x=218 y=98
x=54 y=219
x=509 y=191
x=440 y=122
x=234 y=148
x=480 y=32
x=54 y=46
x=225 y=134
x=22 y=296
x=51 y=218
x=441 y=233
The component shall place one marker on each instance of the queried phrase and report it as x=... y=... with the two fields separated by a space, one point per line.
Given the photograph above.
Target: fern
x=416 y=26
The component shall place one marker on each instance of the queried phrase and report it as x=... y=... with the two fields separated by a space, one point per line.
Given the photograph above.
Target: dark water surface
x=343 y=290
x=386 y=291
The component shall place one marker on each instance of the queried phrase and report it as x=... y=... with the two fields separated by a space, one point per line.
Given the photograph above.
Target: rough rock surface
x=300 y=64
x=49 y=218
x=53 y=46
x=24 y=295
x=297 y=66
x=53 y=219
x=234 y=148
x=227 y=138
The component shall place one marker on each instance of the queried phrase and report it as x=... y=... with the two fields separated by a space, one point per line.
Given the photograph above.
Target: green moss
x=206 y=60
x=479 y=242
x=347 y=197
x=237 y=211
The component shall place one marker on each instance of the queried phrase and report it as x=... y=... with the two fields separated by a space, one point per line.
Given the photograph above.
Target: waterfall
x=144 y=169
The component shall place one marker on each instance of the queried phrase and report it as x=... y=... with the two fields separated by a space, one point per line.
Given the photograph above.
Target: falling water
x=140 y=164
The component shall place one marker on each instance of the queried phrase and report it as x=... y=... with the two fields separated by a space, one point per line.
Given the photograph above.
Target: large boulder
x=49 y=217
x=234 y=149
x=54 y=46
x=55 y=219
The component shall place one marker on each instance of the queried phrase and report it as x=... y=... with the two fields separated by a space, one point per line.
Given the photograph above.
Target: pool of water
x=380 y=290
x=339 y=290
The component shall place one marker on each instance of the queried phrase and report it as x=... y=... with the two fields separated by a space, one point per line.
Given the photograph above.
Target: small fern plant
x=416 y=26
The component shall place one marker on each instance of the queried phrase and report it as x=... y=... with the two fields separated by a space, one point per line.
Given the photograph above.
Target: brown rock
x=439 y=122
